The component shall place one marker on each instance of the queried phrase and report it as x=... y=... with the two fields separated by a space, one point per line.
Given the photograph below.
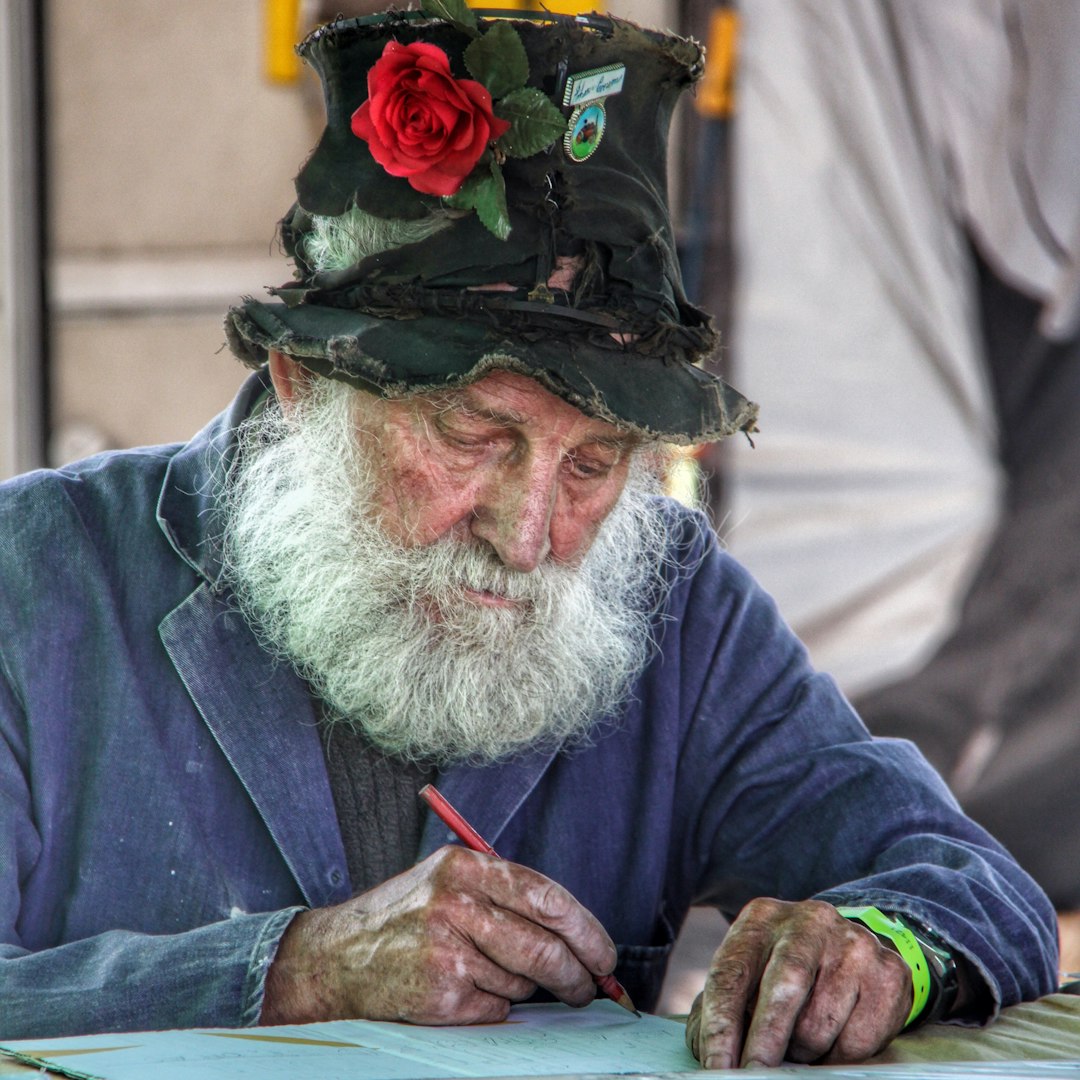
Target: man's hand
x=798 y=981
x=454 y=940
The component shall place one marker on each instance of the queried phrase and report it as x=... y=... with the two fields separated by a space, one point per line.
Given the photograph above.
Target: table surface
x=1034 y=1041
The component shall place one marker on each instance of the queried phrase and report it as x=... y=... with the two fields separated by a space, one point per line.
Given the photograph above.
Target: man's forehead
x=510 y=399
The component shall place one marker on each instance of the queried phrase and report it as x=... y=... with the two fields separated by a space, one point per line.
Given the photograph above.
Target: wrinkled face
x=503 y=460
x=460 y=577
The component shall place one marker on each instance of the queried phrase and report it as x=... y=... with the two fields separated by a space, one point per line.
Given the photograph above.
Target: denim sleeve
x=213 y=975
x=803 y=802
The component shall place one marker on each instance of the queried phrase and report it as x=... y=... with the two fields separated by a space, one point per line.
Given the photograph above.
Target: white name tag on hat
x=595 y=84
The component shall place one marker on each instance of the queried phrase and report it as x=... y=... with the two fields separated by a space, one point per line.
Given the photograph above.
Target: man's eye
x=457 y=438
x=589 y=468
x=462 y=437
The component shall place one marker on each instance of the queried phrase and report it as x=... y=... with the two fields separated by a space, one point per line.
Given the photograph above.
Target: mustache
x=450 y=567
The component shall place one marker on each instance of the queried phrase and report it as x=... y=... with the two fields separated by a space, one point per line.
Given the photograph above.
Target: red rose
x=422 y=123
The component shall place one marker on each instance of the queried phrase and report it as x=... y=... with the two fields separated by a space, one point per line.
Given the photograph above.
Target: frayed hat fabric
x=556 y=257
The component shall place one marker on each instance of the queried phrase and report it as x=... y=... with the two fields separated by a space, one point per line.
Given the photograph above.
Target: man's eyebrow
x=623 y=442
x=460 y=401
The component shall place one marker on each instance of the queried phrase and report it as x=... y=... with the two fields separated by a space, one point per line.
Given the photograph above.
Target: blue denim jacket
x=165 y=810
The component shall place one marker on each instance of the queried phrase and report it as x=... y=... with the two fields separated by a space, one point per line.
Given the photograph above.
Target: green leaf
x=491 y=207
x=534 y=122
x=498 y=60
x=453 y=11
x=485 y=192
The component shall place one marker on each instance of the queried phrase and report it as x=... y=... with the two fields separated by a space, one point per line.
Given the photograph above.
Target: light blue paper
x=536 y=1040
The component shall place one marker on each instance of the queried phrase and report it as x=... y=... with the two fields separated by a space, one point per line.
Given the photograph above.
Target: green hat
x=490 y=192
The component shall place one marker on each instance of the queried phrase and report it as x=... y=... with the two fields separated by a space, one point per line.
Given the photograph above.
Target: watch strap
x=906 y=944
x=944 y=971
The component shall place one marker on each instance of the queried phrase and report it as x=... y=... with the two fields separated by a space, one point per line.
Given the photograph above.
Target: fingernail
x=718 y=1061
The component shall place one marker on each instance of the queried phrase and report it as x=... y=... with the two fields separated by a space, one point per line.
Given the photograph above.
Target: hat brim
x=674 y=401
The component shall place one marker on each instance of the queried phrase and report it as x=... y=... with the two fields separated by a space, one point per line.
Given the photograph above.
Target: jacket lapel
x=262 y=717
x=486 y=796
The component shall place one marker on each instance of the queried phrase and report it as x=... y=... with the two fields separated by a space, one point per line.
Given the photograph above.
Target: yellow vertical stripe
x=281 y=33
x=715 y=97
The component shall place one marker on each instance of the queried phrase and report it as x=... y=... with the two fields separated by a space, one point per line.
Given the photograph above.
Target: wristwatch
x=935 y=978
x=944 y=973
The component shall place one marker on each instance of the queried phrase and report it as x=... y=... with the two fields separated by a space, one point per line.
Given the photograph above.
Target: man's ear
x=291 y=380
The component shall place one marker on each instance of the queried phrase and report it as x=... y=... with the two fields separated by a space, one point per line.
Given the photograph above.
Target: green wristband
x=906 y=945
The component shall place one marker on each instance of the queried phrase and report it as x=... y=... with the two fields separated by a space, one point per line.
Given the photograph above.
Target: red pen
x=472 y=839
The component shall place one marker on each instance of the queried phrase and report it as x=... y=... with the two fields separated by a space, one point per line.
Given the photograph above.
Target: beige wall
x=144 y=379
x=165 y=136
x=170 y=162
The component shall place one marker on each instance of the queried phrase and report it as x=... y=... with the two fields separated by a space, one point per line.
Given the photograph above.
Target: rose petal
x=446 y=115
x=425 y=54
x=360 y=122
x=476 y=93
x=420 y=122
x=433 y=182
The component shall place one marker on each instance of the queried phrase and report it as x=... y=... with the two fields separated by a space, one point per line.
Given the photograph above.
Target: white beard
x=324 y=587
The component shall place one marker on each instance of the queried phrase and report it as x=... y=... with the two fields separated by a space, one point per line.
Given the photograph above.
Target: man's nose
x=515 y=511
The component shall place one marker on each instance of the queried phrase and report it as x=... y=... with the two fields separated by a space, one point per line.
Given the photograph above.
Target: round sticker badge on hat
x=586 y=92
x=585 y=130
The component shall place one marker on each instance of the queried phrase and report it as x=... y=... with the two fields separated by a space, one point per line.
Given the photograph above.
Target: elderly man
x=424 y=543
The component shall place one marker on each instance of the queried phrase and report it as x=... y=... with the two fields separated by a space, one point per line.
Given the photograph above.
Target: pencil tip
x=612 y=988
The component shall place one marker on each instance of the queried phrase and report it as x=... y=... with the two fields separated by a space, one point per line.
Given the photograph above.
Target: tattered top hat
x=490 y=192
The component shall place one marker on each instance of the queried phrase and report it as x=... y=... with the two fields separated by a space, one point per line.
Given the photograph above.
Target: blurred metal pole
x=22 y=309
x=706 y=248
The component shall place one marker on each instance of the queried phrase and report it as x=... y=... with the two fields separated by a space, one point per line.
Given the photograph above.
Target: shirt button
x=335 y=877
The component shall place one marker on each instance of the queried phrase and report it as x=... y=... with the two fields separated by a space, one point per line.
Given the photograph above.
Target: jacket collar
x=261 y=716
x=258 y=710
x=187 y=511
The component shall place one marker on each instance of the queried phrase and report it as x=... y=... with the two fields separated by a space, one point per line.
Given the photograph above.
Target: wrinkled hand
x=797 y=981
x=454 y=940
